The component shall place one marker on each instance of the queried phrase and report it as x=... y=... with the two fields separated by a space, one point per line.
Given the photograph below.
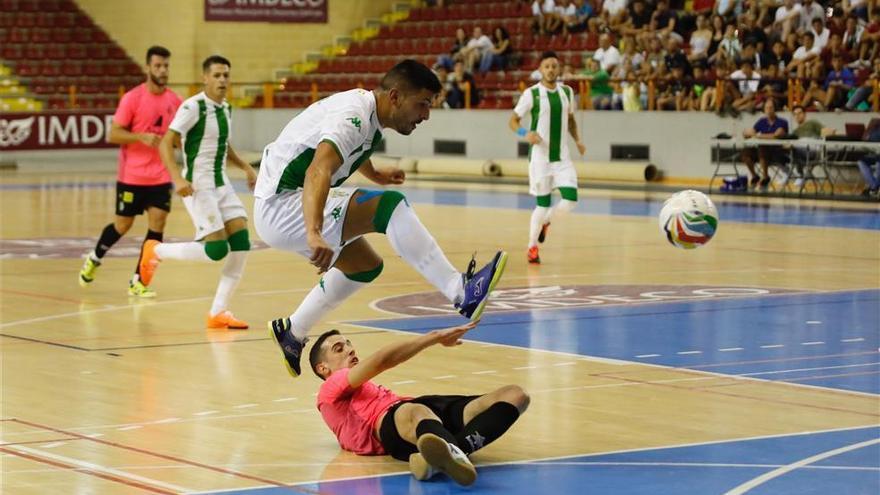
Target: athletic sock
x=412 y=241
x=539 y=214
x=229 y=278
x=333 y=288
x=194 y=251
x=108 y=238
x=435 y=427
x=487 y=427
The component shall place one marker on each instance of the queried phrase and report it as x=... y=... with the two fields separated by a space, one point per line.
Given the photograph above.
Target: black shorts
x=449 y=408
x=132 y=200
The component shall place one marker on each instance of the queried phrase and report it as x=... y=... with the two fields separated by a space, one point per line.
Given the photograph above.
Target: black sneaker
x=290 y=347
x=765 y=183
x=543 y=235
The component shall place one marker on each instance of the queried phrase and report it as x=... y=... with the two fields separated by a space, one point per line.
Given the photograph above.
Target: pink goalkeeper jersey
x=142 y=111
x=351 y=413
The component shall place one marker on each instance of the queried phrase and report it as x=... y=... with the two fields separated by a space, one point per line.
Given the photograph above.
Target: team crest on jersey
x=336 y=213
x=355 y=121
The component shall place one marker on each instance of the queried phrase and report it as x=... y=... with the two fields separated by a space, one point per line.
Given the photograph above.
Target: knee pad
x=367 y=276
x=216 y=250
x=387 y=203
x=240 y=241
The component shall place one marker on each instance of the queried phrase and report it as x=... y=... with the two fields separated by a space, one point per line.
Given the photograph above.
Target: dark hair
x=315 y=354
x=811 y=35
x=159 y=51
x=409 y=76
x=504 y=34
x=215 y=59
x=548 y=54
x=798 y=106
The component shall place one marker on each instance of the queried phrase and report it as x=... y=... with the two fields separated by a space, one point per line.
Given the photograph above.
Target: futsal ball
x=688 y=219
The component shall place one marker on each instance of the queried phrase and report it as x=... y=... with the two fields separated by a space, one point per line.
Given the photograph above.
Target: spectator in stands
x=772 y=87
x=863 y=92
x=576 y=16
x=712 y=99
x=613 y=13
x=675 y=56
x=869 y=45
x=820 y=33
x=546 y=18
x=703 y=7
x=701 y=82
x=607 y=55
x=780 y=56
x=443 y=77
x=728 y=9
x=663 y=21
x=638 y=20
x=497 y=55
x=459 y=80
x=852 y=36
x=747 y=83
x=810 y=10
x=834 y=47
x=770 y=126
x=729 y=48
x=461 y=41
x=803 y=57
x=787 y=18
x=600 y=91
x=750 y=52
x=717 y=26
x=677 y=90
x=871 y=161
x=700 y=40
x=806 y=129
x=753 y=33
x=833 y=94
x=856 y=8
x=479 y=45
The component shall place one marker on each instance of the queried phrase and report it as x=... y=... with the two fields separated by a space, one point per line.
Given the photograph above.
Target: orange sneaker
x=533 y=255
x=225 y=319
x=149 y=261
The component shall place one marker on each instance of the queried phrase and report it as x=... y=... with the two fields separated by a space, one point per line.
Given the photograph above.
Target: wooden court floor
x=102 y=393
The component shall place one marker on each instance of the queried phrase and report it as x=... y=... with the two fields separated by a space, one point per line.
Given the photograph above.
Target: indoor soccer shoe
x=290 y=347
x=478 y=286
x=447 y=458
x=149 y=261
x=137 y=289
x=225 y=319
x=532 y=255
x=543 y=235
x=87 y=272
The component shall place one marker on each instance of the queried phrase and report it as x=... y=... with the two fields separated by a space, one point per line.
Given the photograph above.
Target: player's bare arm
x=316 y=186
x=121 y=135
x=233 y=158
x=531 y=136
x=383 y=176
x=166 y=152
x=398 y=352
x=573 y=130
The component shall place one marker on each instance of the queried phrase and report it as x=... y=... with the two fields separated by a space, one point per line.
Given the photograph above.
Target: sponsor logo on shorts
x=572 y=296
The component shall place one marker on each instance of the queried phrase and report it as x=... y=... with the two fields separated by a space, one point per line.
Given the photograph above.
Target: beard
x=158 y=81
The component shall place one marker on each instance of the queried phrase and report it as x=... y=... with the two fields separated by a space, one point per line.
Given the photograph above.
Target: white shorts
x=210 y=209
x=545 y=177
x=279 y=221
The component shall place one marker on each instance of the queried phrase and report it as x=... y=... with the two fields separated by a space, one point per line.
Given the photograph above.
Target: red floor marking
x=170 y=458
x=77 y=469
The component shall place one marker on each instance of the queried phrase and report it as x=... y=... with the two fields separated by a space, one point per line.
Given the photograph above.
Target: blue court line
x=789 y=214
x=711 y=468
x=737 y=336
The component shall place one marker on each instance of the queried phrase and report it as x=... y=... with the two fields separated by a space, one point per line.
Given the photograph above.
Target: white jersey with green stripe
x=347 y=121
x=548 y=110
x=204 y=127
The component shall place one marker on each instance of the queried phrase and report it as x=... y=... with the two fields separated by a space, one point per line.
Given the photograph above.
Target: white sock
x=182 y=251
x=562 y=208
x=412 y=241
x=229 y=278
x=540 y=216
x=334 y=288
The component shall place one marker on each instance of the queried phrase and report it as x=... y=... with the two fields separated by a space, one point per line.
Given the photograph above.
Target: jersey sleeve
x=335 y=387
x=524 y=104
x=186 y=117
x=570 y=93
x=345 y=131
x=125 y=111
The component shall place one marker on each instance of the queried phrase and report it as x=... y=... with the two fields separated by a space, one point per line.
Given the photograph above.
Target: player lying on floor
x=434 y=433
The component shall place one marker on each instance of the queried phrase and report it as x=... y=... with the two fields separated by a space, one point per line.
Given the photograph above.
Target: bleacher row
x=427 y=34
x=52 y=45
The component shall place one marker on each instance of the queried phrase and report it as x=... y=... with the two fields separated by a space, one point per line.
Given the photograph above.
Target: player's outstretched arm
x=384 y=176
x=315 y=189
x=166 y=153
x=398 y=352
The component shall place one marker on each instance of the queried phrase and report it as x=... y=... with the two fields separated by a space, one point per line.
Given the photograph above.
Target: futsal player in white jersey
x=300 y=207
x=203 y=125
x=550 y=106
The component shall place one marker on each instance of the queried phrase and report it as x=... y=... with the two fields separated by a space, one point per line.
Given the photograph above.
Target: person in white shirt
x=614 y=12
x=748 y=80
x=478 y=45
x=607 y=55
x=787 y=18
x=202 y=128
x=803 y=56
x=300 y=207
x=547 y=16
x=810 y=9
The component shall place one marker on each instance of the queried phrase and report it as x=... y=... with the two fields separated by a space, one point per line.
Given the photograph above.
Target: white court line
x=205 y=413
x=484 y=372
x=760 y=480
x=166 y=420
x=772 y=346
x=859 y=339
x=53 y=445
x=444 y=377
x=245 y=406
x=815 y=342
x=99 y=468
x=526 y=367
x=132 y=427
x=567 y=363
x=284 y=399
x=403 y=382
x=731 y=349
x=706 y=464
x=640 y=356
x=689 y=352
x=809 y=369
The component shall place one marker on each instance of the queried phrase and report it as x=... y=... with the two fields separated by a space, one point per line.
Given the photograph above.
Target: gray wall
x=679 y=141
